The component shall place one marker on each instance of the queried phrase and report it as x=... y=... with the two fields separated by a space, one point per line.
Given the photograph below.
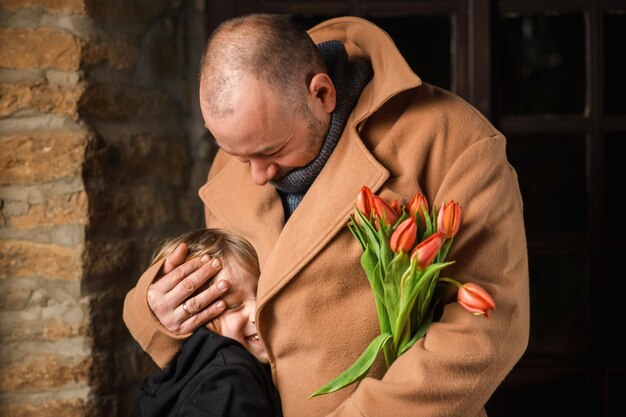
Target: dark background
x=551 y=76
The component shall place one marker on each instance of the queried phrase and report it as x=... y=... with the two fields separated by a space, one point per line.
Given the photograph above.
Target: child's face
x=238 y=320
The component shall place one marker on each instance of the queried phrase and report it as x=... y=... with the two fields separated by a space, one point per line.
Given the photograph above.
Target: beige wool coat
x=316 y=311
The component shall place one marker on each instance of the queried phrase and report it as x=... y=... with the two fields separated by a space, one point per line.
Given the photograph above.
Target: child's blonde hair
x=217 y=243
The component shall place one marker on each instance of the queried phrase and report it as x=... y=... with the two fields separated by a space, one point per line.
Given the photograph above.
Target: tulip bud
x=403 y=238
x=417 y=205
x=449 y=219
x=395 y=206
x=427 y=250
x=381 y=209
x=475 y=299
x=364 y=201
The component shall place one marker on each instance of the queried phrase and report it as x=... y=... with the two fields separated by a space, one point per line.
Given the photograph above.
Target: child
x=222 y=371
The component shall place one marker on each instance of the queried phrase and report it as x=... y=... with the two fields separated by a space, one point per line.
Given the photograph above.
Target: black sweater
x=211 y=376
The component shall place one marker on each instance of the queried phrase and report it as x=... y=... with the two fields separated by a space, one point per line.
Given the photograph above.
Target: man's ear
x=322 y=92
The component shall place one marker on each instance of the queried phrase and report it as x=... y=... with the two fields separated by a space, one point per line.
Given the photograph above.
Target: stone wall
x=102 y=150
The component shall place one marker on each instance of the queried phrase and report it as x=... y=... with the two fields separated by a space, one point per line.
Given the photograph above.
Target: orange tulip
x=475 y=299
x=449 y=219
x=403 y=238
x=381 y=208
x=416 y=206
x=364 y=201
x=395 y=206
x=427 y=250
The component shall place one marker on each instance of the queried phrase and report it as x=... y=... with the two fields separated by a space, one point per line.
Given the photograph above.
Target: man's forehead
x=250 y=130
x=254 y=149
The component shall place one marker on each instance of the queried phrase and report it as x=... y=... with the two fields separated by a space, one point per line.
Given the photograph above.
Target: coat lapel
x=245 y=208
x=324 y=211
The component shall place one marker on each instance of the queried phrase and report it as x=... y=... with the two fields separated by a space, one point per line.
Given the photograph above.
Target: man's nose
x=261 y=172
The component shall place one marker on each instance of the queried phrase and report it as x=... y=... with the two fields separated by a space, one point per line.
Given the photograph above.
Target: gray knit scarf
x=349 y=78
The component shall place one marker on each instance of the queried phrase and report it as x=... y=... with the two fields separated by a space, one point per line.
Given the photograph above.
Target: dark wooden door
x=551 y=76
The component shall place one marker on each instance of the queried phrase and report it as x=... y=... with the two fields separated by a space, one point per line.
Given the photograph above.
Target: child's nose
x=251 y=312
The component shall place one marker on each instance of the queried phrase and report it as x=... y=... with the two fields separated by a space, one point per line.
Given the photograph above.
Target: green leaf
x=358 y=370
x=357 y=233
x=414 y=284
x=405 y=335
x=428 y=294
x=402 y=218
x=369 y=262
x=429 y=225
x=371 y=266
x=421 y=331
x=443 y=252
x=370 y=233
x=385 y=254
x=391 y=283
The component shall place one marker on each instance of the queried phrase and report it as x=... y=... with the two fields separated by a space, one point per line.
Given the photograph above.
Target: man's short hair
x=270 y=47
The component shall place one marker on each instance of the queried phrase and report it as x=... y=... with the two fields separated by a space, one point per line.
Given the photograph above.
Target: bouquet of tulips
x=404 y=252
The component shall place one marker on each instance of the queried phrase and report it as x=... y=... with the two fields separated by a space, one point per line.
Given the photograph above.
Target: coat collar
x=363 y=39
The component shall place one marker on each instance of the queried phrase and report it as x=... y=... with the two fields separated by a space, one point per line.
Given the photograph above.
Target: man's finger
x=169 y=281
x=209 y=296
x=174 y=259
x=203 y=317
x=194 y=280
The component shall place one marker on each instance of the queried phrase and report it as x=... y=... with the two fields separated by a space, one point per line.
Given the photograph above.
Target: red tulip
x=403 y=238
x=427 y=250
x=395 y=206
x=382 y=209
x=475 y=299
x=417 y=205
x=364 y=201
x=449 y=219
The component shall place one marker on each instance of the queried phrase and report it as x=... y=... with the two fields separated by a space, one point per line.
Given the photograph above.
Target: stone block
x=49 y=331
x=157 y=156
x=163 y=57
x=73 y=407
x=121 y=156
x=117 y=53
x=57 y=329
x=28 y=325
x=52 y=6
x=27 y=48
x=26 y=259
x=40 y=98
x=57 y=210
x=44 y=372
x=138 y=12
x=116 y=101
x=103 y=258
x=41 y=156
x=130 y=208
x=15 y=298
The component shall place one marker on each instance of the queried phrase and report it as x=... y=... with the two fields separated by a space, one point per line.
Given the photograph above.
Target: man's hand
x=170 y=295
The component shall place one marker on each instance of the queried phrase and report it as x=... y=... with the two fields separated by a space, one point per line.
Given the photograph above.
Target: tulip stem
x=451 y=281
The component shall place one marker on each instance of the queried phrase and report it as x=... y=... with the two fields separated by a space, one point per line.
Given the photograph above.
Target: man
x=310 y=132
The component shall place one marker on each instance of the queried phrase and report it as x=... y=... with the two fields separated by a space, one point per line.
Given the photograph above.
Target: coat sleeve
x=161 y=344
x=145 y=328
x=457 y=366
